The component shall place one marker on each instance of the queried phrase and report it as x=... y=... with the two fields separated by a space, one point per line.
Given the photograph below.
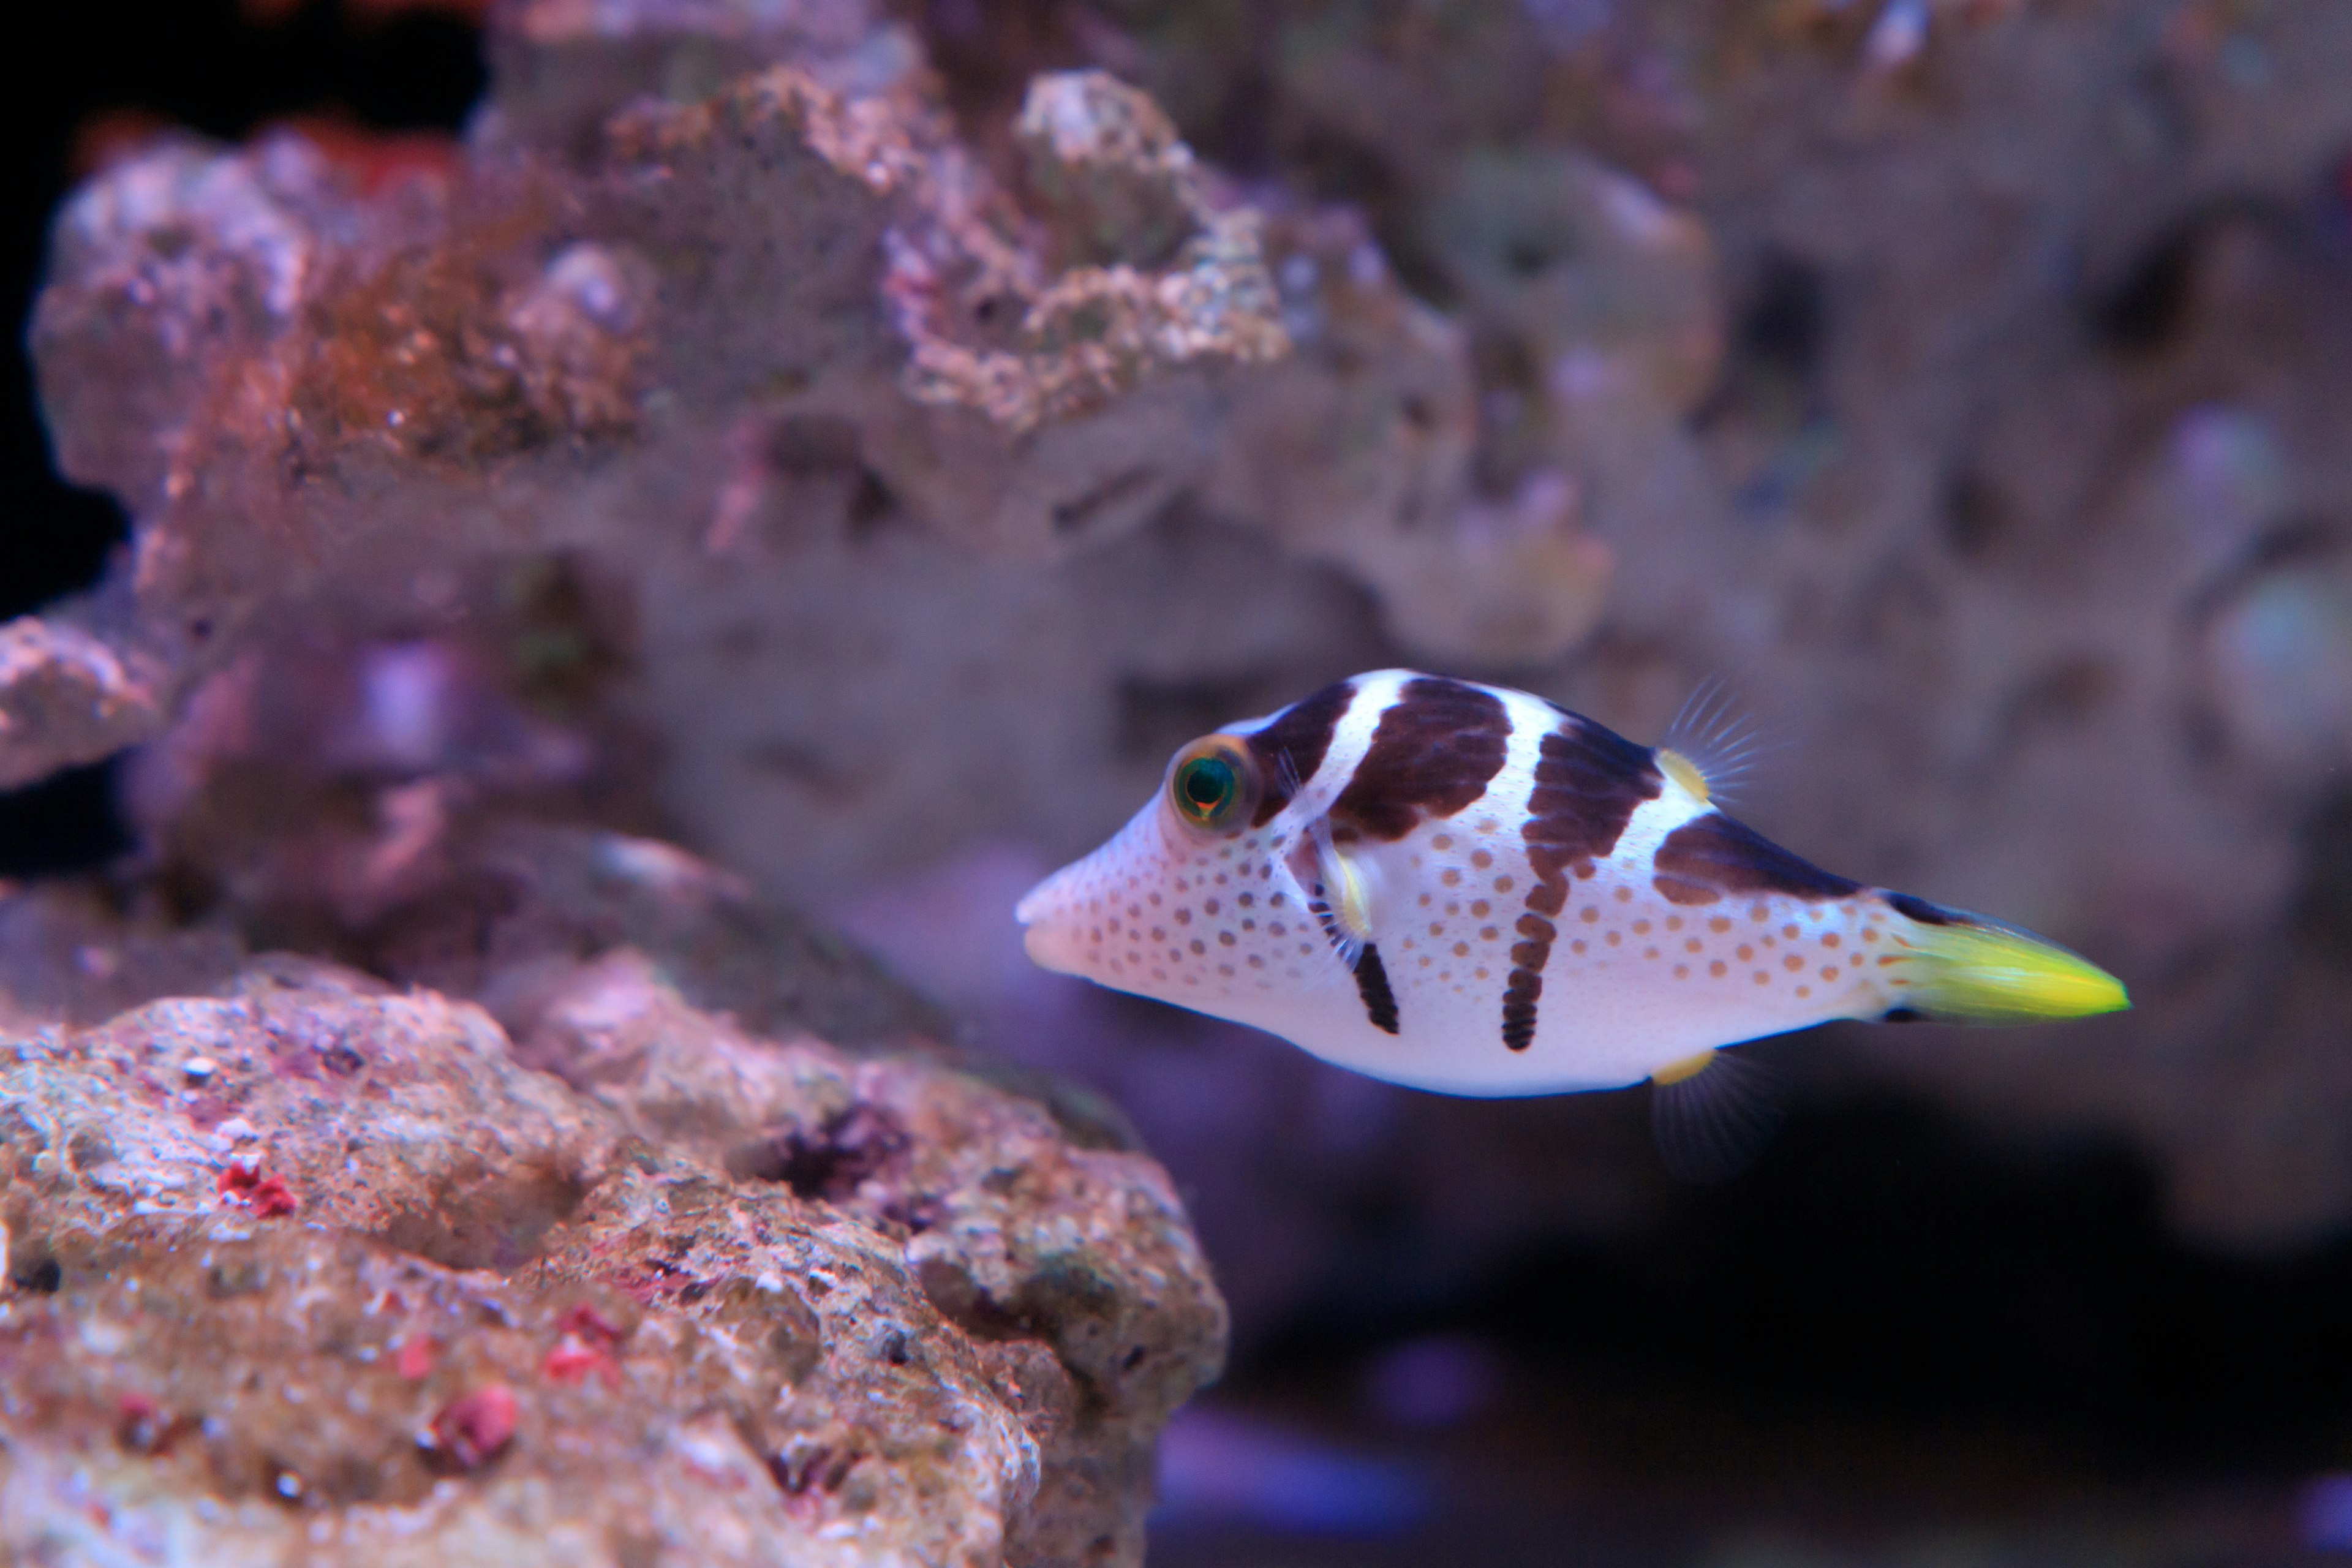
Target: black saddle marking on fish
x=1524 y=987
x=1920 y=910
x=1433 y=753
x=1713 y=855
x=1290 y=748
x=1590 y=781
x=1903 y=1016
x=1372 y=985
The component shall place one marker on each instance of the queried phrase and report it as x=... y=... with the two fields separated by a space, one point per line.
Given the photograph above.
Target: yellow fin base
x=1983 y=972
x=1684 y=1069
x=1683 y=772
x=1345 y=888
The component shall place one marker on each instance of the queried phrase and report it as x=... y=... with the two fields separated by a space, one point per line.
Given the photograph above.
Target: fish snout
x=1073 y=917
x=1049 y=948
x=1048 y=915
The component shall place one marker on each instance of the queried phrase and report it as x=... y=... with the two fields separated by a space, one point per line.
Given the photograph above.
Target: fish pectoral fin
x=1340 y=890
x=1348 y=892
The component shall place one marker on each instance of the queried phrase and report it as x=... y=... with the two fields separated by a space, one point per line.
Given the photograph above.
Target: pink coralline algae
x=267 y=1196
x=586 y=1348
x=571 y=1360
x=414 y=1359
x=475 y=1428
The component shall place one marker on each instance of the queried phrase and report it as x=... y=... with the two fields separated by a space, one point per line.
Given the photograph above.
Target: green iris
x=1213 y=785
x=1206 y=789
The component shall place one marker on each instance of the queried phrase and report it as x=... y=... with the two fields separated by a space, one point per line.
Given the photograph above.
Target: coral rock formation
x=67 y=696
x=731 y=329
x=310 y=1265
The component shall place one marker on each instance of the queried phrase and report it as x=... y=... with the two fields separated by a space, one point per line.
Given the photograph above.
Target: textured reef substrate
x=310 y=1268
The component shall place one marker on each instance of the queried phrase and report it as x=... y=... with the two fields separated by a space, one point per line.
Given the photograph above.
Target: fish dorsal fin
x=1712 y=745
x=1686 y=772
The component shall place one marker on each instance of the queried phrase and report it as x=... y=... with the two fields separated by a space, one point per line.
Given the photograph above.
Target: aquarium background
x=867 y=499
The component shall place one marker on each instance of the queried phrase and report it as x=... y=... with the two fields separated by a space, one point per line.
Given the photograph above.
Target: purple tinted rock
x=166 y=270
x=68 y=696
x=423 y=1276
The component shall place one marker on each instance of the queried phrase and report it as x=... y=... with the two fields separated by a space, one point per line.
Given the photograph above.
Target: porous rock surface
x=721 y=298
x=313 y=1270
x=939 y=423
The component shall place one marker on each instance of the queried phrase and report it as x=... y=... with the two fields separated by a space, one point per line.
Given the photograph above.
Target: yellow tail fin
x=1969 y=968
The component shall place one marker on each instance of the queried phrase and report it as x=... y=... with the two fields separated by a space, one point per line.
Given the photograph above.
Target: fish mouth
x=1041 y=934
x=1038 y=943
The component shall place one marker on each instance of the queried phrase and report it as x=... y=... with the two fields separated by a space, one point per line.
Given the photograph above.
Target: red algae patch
x=475 y=1428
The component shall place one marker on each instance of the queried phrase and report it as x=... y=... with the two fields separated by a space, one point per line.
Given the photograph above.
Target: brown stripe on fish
x=1590 y=781
x=1433 y=753
x=1372 y=985
x=1713 y=855
x=1524 y=987
x=1288 y=750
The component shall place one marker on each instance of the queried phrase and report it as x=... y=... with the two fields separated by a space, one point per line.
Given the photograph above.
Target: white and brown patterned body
x=1469 y=889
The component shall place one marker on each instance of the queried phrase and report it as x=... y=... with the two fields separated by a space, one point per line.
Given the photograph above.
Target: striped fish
x=1472 y=890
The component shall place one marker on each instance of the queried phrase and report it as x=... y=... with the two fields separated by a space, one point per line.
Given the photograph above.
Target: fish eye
x=1213 y=784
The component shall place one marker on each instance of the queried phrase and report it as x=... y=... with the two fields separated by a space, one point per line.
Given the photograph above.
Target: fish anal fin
x=1683 y=1070
x=1713 y=1114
